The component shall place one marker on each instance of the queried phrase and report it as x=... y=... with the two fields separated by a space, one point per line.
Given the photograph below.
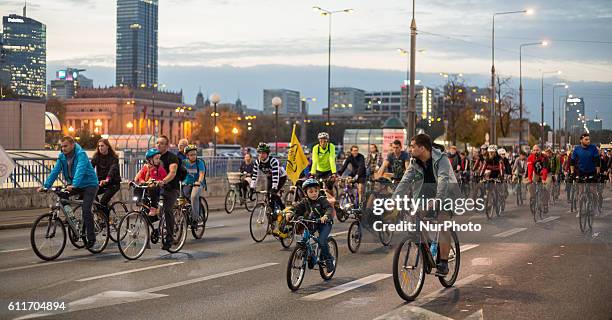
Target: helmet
x=309 y=183
x=323 y=135
x=501 y=151
x=151 y=153
x=484 y=146
x=190 y=147
x=492 y=148
x=263 y=147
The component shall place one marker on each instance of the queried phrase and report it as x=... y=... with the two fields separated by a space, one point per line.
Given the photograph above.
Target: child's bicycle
x=183 y=205
x=307 y=254
x=416 y=255
x=137 y=228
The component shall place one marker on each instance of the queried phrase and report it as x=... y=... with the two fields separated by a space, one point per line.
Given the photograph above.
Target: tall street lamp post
x=411 y=112
x=542 y=105
x=215 y=98
x=407 y=82
x=276 y=102
x=329 y=14
x=493 y=119
x=304 y=112
x=543 y=43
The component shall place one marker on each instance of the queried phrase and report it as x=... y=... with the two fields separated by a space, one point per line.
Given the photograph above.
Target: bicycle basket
x=234 y=177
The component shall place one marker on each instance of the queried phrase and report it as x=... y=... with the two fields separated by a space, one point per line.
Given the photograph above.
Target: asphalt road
x=512 y=269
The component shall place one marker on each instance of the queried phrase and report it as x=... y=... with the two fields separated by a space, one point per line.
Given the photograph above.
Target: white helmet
x=501 y=152
x=484 y=146
x=492 y=148
x=323 y=135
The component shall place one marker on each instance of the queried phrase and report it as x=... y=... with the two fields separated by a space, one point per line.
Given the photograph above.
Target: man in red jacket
x=538 y=168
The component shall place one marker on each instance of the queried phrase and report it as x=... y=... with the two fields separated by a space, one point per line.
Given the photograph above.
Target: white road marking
x=104 y=299
x=210 y=277
x=44 y=264
x=549 y=219
x=467 y=246
x=443 y=291
x=328 y=293
x=509 y=232
x=339 y=233
x=482 y=261
x=130 y=271
x=216 y=226
x=14 y=250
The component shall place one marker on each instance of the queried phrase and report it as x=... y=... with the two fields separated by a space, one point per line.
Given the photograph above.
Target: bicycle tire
x=354 y=236
x=198 y=232
x=489 y=204
x=297 y=255
x=400 y=271
x=57 y=224
x=230 y=201
x=333 y=250
x=115 y=217
x=101 y=228
x=259 y=222
x=250 y=204
x=456 y=249
x=77 y=240
x=132 y=231
x=179 y=234
x=582 y=213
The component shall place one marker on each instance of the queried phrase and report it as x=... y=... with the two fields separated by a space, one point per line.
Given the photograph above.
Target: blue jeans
x=193 y=193
x=324 y=230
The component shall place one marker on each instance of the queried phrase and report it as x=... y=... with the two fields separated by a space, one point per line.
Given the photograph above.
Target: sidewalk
x=25 y=218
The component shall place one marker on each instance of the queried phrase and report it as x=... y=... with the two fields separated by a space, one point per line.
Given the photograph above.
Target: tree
x=86 y=139
x=507 y=108
x=226 y=122
x=454 y=101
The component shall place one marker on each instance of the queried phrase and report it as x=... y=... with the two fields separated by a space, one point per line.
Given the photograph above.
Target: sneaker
x=329 y=265
x=442 y=269
x=166 y=245
x=90 y=243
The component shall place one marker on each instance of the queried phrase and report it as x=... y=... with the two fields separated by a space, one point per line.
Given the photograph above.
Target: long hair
x=110 y=149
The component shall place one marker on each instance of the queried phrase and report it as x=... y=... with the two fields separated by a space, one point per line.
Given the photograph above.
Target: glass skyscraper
x=136 y=43
x=24 y=42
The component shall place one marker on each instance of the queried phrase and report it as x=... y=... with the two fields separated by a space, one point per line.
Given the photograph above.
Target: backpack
x=181 y=172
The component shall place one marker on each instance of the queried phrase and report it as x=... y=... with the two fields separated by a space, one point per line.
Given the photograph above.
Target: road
x=512 y=269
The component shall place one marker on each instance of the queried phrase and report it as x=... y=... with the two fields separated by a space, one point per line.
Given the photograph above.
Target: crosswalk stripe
x=45 y=264
x=509 y=232
x=13 y=250
x=130 y=271
x=328 y=293
x=467 y=246
x=549 y=219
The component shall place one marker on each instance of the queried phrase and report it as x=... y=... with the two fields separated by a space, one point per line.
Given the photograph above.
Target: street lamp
x=130 y=125
x=328 y=13
x=215 y=98
x=556 y=85
x=305 y=117
x=235 y=132
x=276 y=102
x=407 y=54
x=493 y=133
x=543 y=43
x=542 y=106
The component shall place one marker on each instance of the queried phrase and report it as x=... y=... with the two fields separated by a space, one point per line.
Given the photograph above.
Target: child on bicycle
x=152 y=170
x=314 y=206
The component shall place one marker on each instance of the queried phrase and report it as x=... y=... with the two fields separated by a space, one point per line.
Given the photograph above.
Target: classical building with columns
x=125 y=110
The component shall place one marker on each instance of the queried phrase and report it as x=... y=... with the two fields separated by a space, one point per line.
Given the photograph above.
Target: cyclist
x=314 y=206
x=538 y=170
x=431 y=176
x=585 y=161
x=493 y=165
x=454 y=157
x=519 y=169
x=358 y=169
x=81 y=178
x=464 y=167
x=274 y=172
x=374 y=162
x=323 y=158
x=182 y=154
x=504 y=157
x=396 y=163
x=152 y=170
x=106 y=163
x=195 y=181
x=170 y=191
x=246 y=167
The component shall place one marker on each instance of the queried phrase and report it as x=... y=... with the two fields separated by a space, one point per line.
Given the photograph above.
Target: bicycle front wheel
x=117 y=211
x=101 y=230
x=198 y=231
x=454 y=262
x=408 y=269
x=48 y=237
x=259 y=223
x=354 y=236
x=230 y=201
x=135 y=229
x=583 y=213
x=333 y=251
x=296 y=267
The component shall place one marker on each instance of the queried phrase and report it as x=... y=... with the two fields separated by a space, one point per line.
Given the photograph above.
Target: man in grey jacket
x=431 y=176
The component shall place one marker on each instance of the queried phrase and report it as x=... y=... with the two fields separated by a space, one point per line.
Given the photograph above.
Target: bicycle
x=140 y=231
x=307 y=254
x=586 y=203
x=236 y=194
x=518 y=189
x=465 y=185
x=114 y=217
x=45 y=228
x=349 y=199
x=183 y=204
x=556 y=189
x=491 y=197
x=263 y=219
x=536 y=203
x=416 y=255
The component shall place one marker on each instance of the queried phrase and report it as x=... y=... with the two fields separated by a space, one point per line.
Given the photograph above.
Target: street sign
x=507 y=141
x=6 y=165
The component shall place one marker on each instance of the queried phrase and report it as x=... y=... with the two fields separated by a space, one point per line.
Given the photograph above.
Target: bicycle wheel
x=499 y=203
x=250 y=204
x=77 y=240
x=204 y=204
x=198 y=231
x=489 y=204
x=286 y=242
x=354 y=236
x=102 y=231
x=454 y=262
x=230 y=201
x=296 y=267
x=179 y=235
x=333 y=250
x=533 y=208
x=117 y=211
x=582 y=212
x=518 y=195
x=345 y=200
x=385 y=237
x=408 y=269
x=259 y=223
x=136 y=231
x=48 y=237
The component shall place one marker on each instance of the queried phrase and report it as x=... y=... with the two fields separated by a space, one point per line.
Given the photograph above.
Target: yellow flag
x=296 y=159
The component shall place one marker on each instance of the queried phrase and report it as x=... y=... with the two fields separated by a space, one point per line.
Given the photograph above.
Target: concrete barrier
x=28 y=198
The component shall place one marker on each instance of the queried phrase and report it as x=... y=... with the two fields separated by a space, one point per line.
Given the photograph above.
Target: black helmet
x=263 y=147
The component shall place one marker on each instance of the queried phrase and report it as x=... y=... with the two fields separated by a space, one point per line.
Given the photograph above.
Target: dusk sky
x=248 y=37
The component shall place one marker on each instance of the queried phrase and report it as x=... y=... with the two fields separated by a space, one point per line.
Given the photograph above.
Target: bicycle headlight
x=135 y=199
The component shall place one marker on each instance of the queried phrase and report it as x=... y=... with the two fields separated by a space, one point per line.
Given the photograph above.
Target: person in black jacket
x=358 y=169
x=246 y=167
x=106 y=163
